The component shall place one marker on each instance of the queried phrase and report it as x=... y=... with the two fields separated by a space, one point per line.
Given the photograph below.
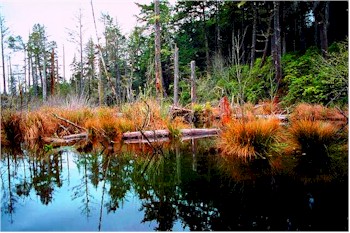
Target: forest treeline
x=290 y=51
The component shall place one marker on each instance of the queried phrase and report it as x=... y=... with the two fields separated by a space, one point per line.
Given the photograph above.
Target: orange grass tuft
x=175 y=125
x=249 y=139
x=267 y=108
x=316 y=112
x=146 y=115
x=11 y=127
x=312 y=136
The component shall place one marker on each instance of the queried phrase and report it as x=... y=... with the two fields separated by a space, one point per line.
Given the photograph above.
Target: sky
x=58 y=15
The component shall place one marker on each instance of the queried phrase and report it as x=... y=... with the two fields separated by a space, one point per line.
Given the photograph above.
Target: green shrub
x=314 y=79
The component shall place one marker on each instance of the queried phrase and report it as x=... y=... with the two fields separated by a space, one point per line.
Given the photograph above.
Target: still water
x=186 y=186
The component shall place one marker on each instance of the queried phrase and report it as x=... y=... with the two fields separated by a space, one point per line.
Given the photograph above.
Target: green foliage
x=314 y=79
x=257 y=83
x=261 y=84
x=48 y=148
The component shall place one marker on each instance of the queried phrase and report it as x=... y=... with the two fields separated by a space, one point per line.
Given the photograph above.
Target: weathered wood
x=193 y=82
x=137 y=140
x=167 y=139
x=165 y=133
x=68 y=121
x=176 y=75
x=196 y=132
x=60 y=141
x=76 y=136
x=148 y=134
x=52 y=87
x=157 y=53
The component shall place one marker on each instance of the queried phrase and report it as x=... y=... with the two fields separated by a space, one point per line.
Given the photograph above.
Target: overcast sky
x=58 y=15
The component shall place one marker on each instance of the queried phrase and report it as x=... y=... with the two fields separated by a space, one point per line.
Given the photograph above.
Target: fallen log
x=165 y=133
x=76 y=136
x=137 y=140
x=60 y=141
x=166 y=139
x=197 y=132
x=148 y=134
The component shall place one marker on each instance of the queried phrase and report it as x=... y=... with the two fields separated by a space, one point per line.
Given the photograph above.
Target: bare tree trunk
x=176 y=75
x=284 y=34
x=242 y=45
x=81 y=89
x=263 y=59
x=252 y=53
x=118 y=83
x=284 y=44
x=101 y=57
x=301 y=33
x=130 y=80
x=57 y=78
x=29 y=73
x=35 y=77
x=323 y=24
x=277 y=42
x=25 y=68
x=206 y=42
x=100 y=88
x=44 y=75
x=64 y=65
x=218 y=31
x=2 y=29
x=193 y=82
x=158 y=65
x=52 y=87
x=10 y=77
x=316 y=10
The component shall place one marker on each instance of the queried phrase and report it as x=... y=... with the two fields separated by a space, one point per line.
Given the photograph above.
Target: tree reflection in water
x=85 y=164
x=187 y=184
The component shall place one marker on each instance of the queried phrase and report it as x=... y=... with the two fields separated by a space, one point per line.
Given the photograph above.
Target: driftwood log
x=152 y=134
x=65 y=140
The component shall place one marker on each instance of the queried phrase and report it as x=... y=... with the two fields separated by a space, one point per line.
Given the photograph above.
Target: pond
x=186 y=186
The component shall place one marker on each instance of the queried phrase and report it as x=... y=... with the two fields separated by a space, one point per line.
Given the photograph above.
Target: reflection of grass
x=249 y=139
x=322 y=155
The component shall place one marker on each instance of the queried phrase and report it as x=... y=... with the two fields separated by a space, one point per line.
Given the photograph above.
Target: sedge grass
x=251 y=139
x=312 y=137
x=315 y=112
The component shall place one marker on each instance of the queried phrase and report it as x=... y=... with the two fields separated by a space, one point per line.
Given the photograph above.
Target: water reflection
x=186 y=187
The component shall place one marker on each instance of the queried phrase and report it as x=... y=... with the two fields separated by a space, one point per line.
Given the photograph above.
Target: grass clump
x=316 y=112
x=145 y=115
x=175 y=127
x=313 y=137
x=11 y=125
x=249 y=140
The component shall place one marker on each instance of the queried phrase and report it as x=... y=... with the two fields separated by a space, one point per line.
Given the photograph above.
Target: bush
x=313 y=79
